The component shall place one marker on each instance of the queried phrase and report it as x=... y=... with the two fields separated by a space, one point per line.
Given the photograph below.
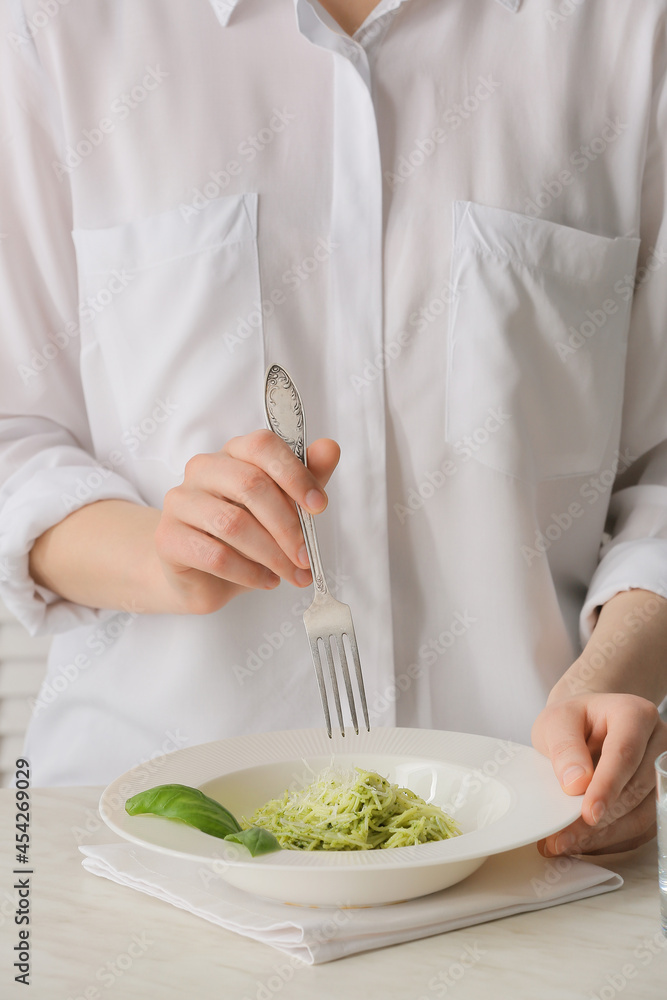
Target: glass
x=661 y=775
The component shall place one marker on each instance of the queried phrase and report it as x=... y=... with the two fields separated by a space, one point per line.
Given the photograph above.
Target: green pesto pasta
x=354 y=811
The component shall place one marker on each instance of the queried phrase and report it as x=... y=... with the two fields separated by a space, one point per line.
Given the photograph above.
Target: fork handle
x=286 y=417
x=313 y=550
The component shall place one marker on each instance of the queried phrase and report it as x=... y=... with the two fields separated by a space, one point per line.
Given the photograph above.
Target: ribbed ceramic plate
x=503 y=795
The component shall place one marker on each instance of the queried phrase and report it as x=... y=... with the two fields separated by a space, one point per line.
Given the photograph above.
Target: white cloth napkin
x=508 y=883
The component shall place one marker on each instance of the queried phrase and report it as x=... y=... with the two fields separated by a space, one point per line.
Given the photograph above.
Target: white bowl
x=503 y=795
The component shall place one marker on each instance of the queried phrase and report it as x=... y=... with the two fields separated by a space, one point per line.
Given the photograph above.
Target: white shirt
x=434 y=226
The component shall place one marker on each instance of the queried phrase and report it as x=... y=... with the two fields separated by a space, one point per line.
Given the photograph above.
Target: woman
x=431 y=215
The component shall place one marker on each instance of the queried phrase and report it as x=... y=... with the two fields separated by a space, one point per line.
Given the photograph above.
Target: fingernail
x=597 y=811
x=272 y=581
x=571 y=775
x=315 y=501
x=303 y=556
x=302 y=576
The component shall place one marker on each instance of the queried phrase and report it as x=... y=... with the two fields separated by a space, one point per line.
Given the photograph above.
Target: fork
x=327 y=620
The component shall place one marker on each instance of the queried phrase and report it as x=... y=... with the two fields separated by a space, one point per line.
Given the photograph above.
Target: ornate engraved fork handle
x=286 y=417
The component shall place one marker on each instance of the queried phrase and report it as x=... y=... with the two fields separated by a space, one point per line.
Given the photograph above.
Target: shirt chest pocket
x=171 y=331
x=537 y=342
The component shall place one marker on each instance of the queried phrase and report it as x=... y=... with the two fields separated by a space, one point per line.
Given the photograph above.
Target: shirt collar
x=224 y=8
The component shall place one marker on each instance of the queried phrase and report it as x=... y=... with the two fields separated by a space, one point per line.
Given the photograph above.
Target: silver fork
x=327 y=620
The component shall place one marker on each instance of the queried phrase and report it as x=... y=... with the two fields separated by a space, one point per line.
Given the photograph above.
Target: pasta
x=352 y=811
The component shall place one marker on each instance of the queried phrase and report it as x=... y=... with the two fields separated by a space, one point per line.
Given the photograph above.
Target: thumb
x=323 y=456
x=558 y=733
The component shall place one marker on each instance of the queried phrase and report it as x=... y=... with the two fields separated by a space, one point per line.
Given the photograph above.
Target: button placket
x=356 y=291
x=357 y=335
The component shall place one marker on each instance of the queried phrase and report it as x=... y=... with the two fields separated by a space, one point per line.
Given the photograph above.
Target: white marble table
x=602 y=947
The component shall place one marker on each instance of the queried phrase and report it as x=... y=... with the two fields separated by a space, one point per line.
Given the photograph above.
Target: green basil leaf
x=256 y=839
x=186 y=804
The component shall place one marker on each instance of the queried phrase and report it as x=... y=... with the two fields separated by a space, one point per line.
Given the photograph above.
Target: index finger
x=271 y=454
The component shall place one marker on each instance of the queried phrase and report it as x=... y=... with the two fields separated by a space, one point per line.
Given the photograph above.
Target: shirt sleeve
x=47 y=464
x=634 y=553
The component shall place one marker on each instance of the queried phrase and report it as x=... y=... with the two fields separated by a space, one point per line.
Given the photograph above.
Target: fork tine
x=334 y=682
x=360 y=677
x=348 y=684
x=317 y=663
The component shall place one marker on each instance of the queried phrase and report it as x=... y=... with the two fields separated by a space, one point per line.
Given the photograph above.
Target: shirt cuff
x=629 y=565
x=46 y=499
